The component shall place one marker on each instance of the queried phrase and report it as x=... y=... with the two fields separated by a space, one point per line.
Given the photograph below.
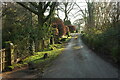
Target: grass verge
x=37 y=59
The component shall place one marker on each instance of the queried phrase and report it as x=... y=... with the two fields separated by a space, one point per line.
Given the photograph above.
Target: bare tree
x=66 y=8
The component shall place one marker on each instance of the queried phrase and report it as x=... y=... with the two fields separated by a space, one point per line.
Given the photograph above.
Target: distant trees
x=67 y=7
x=102 y=14
x=78 y=23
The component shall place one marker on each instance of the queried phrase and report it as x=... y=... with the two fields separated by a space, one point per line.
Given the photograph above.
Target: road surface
x=78 y=61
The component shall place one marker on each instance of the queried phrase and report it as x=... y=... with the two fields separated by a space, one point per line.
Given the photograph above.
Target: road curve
x=78 y=61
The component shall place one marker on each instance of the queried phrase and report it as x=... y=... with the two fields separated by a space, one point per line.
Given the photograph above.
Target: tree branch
x=70 y=8
x=73 y=15
x=60 y=8
x=23 y=5
x=71 y=5
x=45 y=7
x=34 y=4
x=80 y=9
x=52 y=8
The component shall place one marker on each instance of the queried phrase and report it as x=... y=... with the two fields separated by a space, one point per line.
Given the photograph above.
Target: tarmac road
x=78 y=61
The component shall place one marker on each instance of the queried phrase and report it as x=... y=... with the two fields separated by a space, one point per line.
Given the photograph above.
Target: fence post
x=8 y=57
x=12 y=47
x=1 y=60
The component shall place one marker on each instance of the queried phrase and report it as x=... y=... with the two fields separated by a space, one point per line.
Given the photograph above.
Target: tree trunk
x=51 y=40
x=30 y=39
x=38 y=45
x=42 y=44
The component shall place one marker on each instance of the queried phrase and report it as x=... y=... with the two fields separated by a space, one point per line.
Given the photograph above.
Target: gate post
x=8 y=57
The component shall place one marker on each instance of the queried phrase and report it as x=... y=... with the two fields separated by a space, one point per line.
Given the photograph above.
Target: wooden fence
x=6 y=58
x=2 y=59
x=9 y=56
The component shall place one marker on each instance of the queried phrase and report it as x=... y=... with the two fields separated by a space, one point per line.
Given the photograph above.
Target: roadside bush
x=106 y=42
x=58 y=23
x=72 y=28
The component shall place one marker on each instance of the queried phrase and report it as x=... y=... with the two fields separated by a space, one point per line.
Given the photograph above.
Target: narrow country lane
x=77 y=61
